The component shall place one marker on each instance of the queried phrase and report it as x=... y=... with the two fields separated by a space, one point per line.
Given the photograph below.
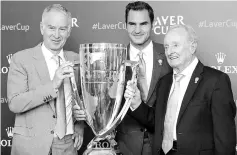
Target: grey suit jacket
x=29 y=91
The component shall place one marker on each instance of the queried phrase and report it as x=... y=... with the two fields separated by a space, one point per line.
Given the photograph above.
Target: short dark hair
x=139 y=6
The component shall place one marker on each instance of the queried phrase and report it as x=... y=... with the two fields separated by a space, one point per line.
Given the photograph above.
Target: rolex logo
x=220 y=57
x=9 y=57
x=9 y=132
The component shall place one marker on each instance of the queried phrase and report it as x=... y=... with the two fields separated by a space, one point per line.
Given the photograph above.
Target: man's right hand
x=78 y=113
x=133 y=93
x=65 y=70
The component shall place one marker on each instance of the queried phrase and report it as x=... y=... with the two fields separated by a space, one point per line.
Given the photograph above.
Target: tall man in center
x=132 y=137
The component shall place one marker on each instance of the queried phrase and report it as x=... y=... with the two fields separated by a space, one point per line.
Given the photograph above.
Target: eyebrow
x=142 y=23
x=59 y=27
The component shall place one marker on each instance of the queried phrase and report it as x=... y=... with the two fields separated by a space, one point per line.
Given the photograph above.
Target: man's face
x=139 y=27
x=55 y=30
x=178 y=49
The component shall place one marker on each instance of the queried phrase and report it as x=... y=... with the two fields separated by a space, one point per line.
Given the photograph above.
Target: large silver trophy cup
x=102 y=73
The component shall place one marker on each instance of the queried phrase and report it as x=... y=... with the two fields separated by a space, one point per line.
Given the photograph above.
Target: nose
x=56 y=34
x=137 y=29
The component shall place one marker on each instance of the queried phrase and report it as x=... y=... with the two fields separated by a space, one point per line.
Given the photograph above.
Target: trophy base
x=100 y=151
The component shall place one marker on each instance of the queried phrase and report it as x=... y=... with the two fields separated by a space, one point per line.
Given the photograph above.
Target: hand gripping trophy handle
x=77 y=99
x=115 y=122
x=111 y=126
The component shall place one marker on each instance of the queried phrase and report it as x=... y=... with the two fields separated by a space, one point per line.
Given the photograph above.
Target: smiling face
x=178 y=49
x=55 y=30
x=139 y=28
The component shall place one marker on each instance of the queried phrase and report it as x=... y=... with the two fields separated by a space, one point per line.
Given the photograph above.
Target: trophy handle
x=124 y=110
x=77 y=98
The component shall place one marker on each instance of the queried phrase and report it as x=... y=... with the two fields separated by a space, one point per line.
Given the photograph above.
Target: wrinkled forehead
x=176 y=35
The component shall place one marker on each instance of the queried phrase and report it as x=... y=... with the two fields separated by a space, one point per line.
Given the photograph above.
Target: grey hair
x=59 y=8
x=192 y=36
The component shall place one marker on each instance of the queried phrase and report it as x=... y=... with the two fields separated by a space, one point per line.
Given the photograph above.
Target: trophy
x=102 y=74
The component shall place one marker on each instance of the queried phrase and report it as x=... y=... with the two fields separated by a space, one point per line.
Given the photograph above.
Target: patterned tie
x=61 y=127
x=170 y=115
x=142 y=80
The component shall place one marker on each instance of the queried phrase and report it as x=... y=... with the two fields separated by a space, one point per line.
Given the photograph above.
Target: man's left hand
x=78 y=136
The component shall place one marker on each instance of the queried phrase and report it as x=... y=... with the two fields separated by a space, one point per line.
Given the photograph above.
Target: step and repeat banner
x=104 y=21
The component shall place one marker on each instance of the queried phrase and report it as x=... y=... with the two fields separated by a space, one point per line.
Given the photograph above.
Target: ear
x=69 y=31
x=193 y=47
x=152 y=24
x=41 y=28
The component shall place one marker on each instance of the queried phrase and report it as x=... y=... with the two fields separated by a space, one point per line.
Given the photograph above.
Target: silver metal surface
x=102 y=73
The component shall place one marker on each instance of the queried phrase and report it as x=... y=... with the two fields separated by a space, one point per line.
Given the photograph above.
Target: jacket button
x=180 y=133
x=52 y=132
x=54 y=116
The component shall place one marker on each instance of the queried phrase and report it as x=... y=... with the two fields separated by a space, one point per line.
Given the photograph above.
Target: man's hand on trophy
x=78 y=113
x=64 y=70
x=133 y=93
x=78 y=135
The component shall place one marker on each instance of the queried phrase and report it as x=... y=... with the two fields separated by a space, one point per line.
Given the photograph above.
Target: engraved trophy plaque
x=102 y=74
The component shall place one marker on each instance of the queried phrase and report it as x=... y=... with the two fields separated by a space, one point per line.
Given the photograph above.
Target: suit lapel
x=166 y=89
x=40 y=65
x=128 y=74
x=157 y=67
x=193 y=84
x=42 y=69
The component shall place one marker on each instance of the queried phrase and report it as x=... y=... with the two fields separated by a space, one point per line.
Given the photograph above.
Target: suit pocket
x=198 y=102
x=22 y=131
x=207 y=152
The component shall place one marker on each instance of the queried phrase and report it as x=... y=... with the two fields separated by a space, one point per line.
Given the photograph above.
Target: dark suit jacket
x=206 y=124
x=30 y=91
x=130 y=132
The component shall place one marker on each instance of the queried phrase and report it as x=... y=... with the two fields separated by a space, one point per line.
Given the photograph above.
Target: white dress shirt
x=148 y=58
x=52 y=67
x=187 y=72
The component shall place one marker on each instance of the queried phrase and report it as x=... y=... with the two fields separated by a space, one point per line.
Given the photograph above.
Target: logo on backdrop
x=104 y=26
x=75 y=22
x=16 y=27
x=4 y=100
x=7 y=142
x=162 y=23
x=220 y=58
x=229 y=23
x=5 y=69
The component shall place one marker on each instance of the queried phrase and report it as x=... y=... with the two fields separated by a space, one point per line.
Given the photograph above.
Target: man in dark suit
x=132 y=137
x=194 y=108
x=38 y=82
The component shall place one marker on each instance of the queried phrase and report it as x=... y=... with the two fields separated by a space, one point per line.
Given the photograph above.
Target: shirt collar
x=146 y=51
x=188 y=71
x=48 y=54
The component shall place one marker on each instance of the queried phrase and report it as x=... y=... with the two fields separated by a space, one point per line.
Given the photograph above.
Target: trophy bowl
x=102 y=74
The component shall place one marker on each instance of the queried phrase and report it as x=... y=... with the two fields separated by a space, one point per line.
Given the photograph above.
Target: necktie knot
x=140 y=55
x=178 y=77
x=57 y=59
